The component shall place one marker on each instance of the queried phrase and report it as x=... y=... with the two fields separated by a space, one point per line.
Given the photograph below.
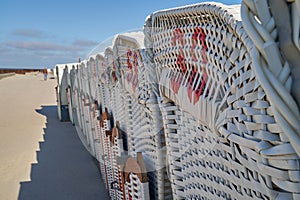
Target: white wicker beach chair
x=142 y=120
x=223 y=138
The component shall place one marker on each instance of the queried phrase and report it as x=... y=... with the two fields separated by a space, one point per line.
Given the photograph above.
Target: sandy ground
x=26 y=101
x=21 y=128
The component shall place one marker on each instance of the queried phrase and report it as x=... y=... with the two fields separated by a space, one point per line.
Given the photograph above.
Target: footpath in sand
x=41 y=157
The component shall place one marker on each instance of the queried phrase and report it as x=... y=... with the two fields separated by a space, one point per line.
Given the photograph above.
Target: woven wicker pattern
x=200 y=105
x=136 y=190
x=142 y=122
x=222 y=137
x=111 y=95
x=92 y=77
x=273 y=69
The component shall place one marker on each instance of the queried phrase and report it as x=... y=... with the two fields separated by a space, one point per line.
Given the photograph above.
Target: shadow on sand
x=65 y=170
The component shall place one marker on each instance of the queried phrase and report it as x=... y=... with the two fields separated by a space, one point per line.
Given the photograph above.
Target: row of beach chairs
x=201 y=104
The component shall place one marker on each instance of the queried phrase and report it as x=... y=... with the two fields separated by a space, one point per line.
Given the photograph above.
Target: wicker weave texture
x=223 y=140
x=140 y=115
x=209 y=99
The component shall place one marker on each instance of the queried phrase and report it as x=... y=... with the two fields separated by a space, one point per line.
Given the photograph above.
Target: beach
x=21 y=127
x=27 y=113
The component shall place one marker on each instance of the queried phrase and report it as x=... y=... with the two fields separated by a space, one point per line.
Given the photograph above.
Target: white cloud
x=41 y=46
x=85 y=43
x=32 y=54
x=29 y=33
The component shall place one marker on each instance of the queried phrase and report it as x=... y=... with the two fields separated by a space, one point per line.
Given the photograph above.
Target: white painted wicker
x=142 y=122
x=223 y=141
x=211 y=98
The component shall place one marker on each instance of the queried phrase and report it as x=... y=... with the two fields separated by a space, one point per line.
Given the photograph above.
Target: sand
x=27 y=116
x=21 y=128
x=2 y=76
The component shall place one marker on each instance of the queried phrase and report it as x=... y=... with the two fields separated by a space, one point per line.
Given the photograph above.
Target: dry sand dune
x=26 y=101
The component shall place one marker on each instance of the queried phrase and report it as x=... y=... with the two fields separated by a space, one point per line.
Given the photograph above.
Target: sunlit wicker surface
x=209 y=99
x=222 y=138
x=140 y=113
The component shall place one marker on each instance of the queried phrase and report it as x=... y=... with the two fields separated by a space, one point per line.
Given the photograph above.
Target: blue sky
x=42 y=33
